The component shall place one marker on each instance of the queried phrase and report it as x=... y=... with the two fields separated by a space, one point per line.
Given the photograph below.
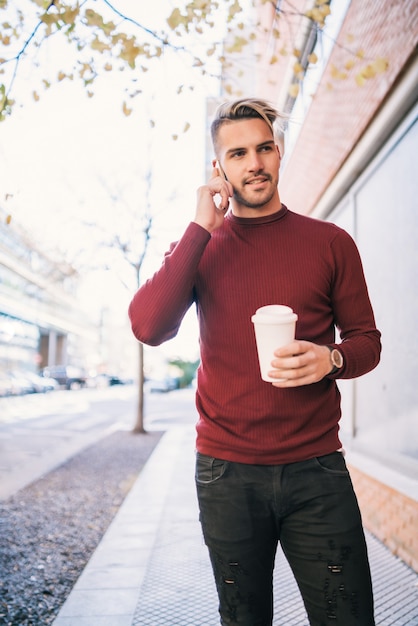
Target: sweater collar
x=255 y=221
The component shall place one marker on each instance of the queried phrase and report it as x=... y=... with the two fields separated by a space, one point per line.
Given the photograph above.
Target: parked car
x=42 y=384
x=161 y=385
x=108 y=380
x=6 y=387
x=21 y=385
x=66 y=376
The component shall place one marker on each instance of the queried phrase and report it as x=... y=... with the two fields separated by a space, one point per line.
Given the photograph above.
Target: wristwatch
x=337 y=359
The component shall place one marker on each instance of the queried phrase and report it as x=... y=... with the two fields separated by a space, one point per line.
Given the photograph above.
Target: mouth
x=257 y=180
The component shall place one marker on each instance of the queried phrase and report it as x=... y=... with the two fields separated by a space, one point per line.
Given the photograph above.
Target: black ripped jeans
x=311 y=508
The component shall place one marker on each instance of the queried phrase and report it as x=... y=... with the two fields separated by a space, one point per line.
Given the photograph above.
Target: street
x=40 y=431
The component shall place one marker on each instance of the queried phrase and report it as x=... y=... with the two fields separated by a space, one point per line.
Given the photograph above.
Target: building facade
x=350 y=158
x=41 y=320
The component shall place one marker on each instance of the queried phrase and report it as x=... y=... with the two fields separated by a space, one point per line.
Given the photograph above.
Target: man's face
x=250 y=160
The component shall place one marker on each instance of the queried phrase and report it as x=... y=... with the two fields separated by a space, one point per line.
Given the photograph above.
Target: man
x=269 y=467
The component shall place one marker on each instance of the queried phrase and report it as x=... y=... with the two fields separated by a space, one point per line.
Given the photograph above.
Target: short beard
x=252 y=205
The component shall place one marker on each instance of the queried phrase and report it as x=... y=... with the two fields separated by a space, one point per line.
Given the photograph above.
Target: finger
x=291 y=349
x=224 y=203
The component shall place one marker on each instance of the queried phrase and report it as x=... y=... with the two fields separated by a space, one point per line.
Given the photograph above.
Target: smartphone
x=222 y=173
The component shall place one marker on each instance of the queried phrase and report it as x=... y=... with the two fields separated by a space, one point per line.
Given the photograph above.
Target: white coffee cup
x=274 y=326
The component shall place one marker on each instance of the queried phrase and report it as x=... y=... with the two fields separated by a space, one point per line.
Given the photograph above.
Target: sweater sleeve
x=158 y=307
x=354 y=317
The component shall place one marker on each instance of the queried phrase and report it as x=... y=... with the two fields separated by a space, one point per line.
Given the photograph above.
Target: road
x=39 y=432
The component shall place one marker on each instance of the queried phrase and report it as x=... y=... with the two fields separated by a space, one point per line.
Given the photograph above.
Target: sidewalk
x=152 y=568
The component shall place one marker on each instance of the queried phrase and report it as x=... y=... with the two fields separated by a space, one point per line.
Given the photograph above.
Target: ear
x=214 y=162
x=278 y=151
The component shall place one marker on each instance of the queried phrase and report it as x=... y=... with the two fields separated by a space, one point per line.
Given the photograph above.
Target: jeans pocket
x=209 y=469
x=333 y=463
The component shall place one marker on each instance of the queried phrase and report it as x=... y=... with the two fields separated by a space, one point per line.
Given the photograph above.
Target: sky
x=73 y=168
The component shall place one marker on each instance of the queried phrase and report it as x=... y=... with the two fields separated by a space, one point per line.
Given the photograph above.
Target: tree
x=137 y=265
x=212 y=36
x=188 y=369
x=105 y=39
x=134 y=254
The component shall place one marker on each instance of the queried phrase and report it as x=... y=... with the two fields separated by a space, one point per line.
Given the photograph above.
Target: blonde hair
x=244 y=109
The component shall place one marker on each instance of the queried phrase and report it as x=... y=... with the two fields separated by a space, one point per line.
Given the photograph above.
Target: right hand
x=208 y=214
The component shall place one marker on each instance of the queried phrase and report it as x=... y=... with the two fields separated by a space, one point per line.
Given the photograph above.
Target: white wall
x=381 y=212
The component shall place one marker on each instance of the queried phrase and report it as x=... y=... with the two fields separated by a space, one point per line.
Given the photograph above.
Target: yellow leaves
x=298 y=69
x=198 y=14
x=62 y=76
x=176 y=19
x=337 y=74
x=62 y=15
x=237 y=45
x=129 y=45
x=86 y=72
x=126 y=110
x=381 y=65
x=98 y=45
x=130 y=50
x=5 y=103
x=50 y=18
x=319 y=12
x=8 y=218
x=35 y=96
x=69 y=15
x=233 y=10
x=92 y=18
x=369 y=71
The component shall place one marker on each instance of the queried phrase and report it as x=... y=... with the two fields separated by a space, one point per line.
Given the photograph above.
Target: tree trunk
x=139 y=424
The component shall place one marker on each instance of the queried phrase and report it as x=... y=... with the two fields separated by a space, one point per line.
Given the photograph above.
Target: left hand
x=300 y=363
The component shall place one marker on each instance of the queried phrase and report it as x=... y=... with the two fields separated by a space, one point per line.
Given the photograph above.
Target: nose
x=255 y=162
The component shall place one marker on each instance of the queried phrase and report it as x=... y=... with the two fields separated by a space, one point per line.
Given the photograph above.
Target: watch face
x=337 y=358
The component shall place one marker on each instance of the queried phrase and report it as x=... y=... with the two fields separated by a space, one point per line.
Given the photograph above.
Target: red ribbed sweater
x=310 y=265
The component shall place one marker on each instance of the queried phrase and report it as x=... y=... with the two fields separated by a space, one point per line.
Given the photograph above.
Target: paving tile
x=110 y=620
x=111 y=577
x=152 y=567
x=99 y=602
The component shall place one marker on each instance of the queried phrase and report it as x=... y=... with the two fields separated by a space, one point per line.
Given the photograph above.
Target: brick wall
x=389 y=515
x=340 y=110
